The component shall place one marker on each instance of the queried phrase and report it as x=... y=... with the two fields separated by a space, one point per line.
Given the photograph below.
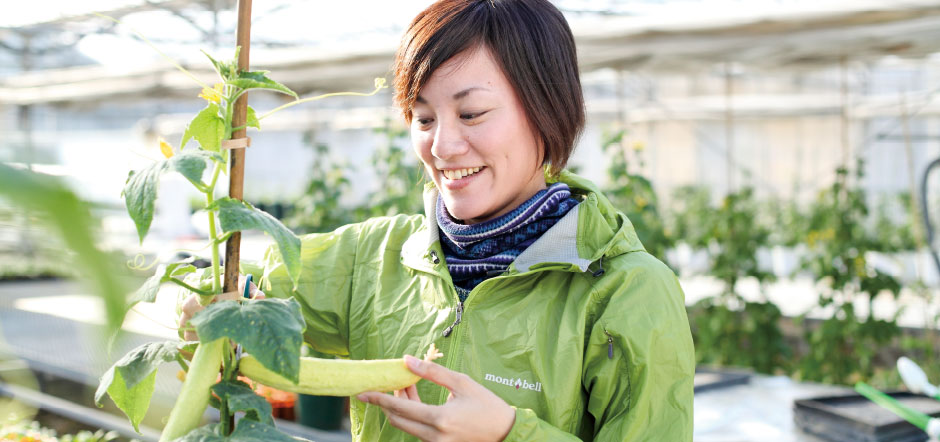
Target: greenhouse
x=771 y=167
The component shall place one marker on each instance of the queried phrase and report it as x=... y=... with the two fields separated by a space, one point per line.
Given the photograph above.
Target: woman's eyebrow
x=467 y=91
x=456 y=96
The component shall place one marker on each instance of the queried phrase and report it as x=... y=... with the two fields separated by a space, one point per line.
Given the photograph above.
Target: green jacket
x=579 y=353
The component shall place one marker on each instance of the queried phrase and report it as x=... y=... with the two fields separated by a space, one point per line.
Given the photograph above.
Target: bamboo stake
x=237 y=165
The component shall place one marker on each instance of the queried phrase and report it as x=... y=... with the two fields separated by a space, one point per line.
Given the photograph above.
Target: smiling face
x=471 y=132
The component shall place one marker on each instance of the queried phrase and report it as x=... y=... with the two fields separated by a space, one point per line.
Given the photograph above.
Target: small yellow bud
x=166 y=148
x=181 y=375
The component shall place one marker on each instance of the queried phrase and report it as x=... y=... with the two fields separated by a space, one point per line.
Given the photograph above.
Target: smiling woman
x=471 y=132
x=554 y=321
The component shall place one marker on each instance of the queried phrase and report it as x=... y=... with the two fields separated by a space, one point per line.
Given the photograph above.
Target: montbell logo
x=518 y=383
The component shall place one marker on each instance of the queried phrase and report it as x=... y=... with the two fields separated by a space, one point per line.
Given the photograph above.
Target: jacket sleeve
x=639 y=363
x=325 y=287
x=638 y=366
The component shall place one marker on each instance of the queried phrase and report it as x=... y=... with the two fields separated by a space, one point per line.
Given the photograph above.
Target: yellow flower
x=638 y=146
x=166 y=148
x=214 y=95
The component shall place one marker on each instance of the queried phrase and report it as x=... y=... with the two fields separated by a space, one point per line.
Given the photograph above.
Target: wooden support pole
x=237 y=165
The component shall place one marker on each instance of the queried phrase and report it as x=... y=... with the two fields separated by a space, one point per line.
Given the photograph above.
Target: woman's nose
x=449 y=141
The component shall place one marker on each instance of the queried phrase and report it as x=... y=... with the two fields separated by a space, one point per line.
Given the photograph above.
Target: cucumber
x=337 y=377
x=194 y=395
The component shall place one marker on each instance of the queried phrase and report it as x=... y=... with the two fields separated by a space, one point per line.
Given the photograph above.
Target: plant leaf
x=205 y=433
x=246 y=430
x=148 y=291
x=191 y=164
x=251 y=120
x=235 y=215
x=260 y=80
x=221 y=68
x=270 y=329
x=130 y=381
x=207 y=128
x=252 y=431
x=56 y=206
x=242 y=398
x=140 y=190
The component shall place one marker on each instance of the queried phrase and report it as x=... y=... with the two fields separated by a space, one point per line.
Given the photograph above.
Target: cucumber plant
x=269 y=329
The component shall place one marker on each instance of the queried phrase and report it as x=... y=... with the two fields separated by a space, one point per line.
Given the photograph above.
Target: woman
x=554 y=321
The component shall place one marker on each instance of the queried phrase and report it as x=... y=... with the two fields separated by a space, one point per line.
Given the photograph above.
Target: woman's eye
x=470 y=116
x=423 y=121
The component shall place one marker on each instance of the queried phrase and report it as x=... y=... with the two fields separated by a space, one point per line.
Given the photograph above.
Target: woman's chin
x=462 y=212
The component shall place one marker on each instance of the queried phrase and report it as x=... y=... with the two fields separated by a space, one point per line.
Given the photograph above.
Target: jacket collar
x=591 y=230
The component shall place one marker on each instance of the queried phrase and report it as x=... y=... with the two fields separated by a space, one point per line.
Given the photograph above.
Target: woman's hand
x=472 y=412
x=191 y=305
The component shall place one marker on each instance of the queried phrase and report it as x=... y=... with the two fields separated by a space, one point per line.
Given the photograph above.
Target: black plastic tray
x=713 y=378
x=854 y=418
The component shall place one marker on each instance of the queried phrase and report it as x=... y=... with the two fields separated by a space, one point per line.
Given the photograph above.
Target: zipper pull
x=610 y=345
x=448 y=330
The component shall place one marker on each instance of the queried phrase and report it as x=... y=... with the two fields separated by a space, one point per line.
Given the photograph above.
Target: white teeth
x=457 y=174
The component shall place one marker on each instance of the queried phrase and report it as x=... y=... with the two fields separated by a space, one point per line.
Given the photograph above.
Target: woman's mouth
x=456 y=174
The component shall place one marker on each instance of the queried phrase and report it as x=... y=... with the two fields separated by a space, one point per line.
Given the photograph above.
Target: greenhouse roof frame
x=794 y=39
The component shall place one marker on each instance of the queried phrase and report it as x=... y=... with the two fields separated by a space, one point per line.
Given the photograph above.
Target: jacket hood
x=592 y=230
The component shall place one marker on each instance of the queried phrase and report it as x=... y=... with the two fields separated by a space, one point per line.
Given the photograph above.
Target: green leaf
x=246 y=430
x=207 y=128
x=222 y=69
x=205 y=433
x=48 y=199
x=130 y=381
x=260 y=80
x=140 y=190
x=235 y=215
x=133 y=401
x=252 y=119
x=270 y=329
x=252 y=431
x=242 y=398
x=148 y=291
x=191 y=164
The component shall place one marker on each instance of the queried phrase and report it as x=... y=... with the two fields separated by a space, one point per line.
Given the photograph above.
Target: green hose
x=909 y=414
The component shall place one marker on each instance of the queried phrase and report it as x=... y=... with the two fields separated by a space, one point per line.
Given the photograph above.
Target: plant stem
x=320 y=97
x=224 y=238
x=194 y=395
x=225 y=417
x=213 y=234
x=186 y=286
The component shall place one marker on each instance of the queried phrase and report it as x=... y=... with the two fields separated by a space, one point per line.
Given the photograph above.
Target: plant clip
x=236 y=143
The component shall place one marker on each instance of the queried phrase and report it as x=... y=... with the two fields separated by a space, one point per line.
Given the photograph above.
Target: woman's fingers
x=456 y=382
x=415 y=428
x=253 y=291
x=408 y=409
x=411 y=392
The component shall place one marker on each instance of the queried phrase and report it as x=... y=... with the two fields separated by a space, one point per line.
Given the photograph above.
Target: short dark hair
x=531 y=42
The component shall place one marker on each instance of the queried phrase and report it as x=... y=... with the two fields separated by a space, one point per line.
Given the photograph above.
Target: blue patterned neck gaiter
x=479 y=251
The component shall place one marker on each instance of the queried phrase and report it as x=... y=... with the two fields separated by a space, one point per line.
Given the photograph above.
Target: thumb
x=456 y=382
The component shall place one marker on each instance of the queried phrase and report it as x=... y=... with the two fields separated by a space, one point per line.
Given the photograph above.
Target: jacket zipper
x=450 y=329
x=610 y=345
